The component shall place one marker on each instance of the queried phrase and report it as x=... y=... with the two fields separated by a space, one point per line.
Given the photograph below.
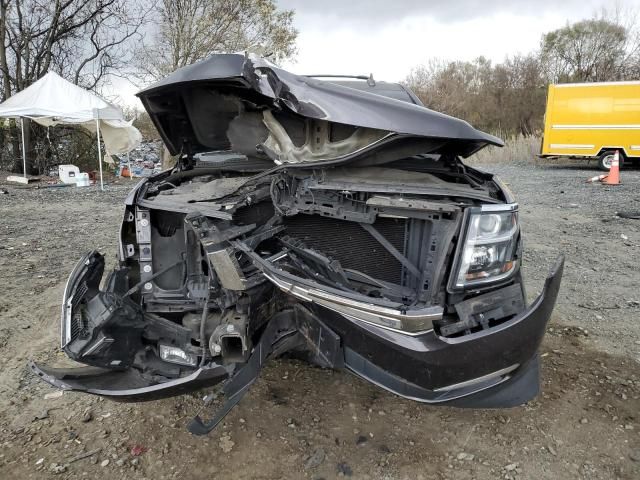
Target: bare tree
x=509 y=98
x=85 y=41
x=604 y=48
x=190 y=30
x=506 y=98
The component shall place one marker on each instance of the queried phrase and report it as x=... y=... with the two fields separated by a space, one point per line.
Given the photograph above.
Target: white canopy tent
x=52 y=100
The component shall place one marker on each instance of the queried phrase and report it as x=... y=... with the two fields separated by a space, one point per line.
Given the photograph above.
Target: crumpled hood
x=246 y=104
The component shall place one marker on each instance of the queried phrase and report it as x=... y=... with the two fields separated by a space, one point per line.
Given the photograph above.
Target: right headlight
x=488 y=249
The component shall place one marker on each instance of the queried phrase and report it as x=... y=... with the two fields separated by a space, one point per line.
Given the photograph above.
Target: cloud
x=396 y=47
x=390 y=37
x=381 y=12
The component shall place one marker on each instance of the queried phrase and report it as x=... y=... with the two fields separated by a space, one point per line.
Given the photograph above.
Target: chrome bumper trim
x=489 y=376
x=411 y=322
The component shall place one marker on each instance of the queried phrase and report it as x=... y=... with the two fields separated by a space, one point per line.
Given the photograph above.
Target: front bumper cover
x=127 y=385
x=498 y=367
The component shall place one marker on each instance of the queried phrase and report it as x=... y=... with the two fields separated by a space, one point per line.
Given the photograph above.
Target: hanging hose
x=203 y=319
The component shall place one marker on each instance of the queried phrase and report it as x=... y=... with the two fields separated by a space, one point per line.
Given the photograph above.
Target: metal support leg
x=99 y=153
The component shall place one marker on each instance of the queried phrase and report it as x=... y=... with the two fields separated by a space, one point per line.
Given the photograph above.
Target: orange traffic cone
x=614 y=173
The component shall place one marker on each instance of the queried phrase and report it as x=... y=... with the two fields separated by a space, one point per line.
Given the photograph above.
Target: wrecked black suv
x=333 y=221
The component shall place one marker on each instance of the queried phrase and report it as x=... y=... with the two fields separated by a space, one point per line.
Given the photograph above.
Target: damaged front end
x=343 y=229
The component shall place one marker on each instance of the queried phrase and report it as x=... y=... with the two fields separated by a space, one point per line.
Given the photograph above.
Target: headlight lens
x=489 y=250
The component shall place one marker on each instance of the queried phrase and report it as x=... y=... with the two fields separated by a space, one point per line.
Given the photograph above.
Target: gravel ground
x=561 y=213
x=304 y=422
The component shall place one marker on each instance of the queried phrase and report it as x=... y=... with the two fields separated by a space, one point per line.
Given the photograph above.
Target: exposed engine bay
x=344 y=233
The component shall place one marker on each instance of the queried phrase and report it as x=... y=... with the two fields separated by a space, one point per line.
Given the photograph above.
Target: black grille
x=257 y=214
x=77 y=323
x=351 y=245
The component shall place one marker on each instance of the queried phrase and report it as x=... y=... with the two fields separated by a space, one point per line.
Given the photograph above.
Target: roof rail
x=368 y=78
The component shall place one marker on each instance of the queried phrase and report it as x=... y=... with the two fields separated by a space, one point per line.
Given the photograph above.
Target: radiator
x=351 y=245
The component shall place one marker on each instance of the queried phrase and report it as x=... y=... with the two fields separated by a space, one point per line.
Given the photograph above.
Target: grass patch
x=518 y=150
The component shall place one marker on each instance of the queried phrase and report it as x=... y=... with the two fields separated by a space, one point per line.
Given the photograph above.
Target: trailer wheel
x=606 y=157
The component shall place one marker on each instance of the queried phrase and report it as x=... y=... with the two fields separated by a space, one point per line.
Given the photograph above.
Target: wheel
x=606 y=157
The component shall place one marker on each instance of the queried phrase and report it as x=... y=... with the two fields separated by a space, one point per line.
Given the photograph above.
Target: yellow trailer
x=593 y=120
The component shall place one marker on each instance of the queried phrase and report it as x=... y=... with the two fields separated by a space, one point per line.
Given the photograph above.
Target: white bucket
x=68 y=173
x=82 y=180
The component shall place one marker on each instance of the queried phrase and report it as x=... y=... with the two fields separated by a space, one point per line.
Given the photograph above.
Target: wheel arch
x=622 y=150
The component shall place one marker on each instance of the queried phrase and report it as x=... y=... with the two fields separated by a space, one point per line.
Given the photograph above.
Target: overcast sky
x=390 y=37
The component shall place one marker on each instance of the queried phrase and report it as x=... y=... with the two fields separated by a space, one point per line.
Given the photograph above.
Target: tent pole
x=24 y=153
x=129 y=166
x=99 y=152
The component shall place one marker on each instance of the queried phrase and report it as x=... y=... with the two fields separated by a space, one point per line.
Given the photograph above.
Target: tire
x=606 y=157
